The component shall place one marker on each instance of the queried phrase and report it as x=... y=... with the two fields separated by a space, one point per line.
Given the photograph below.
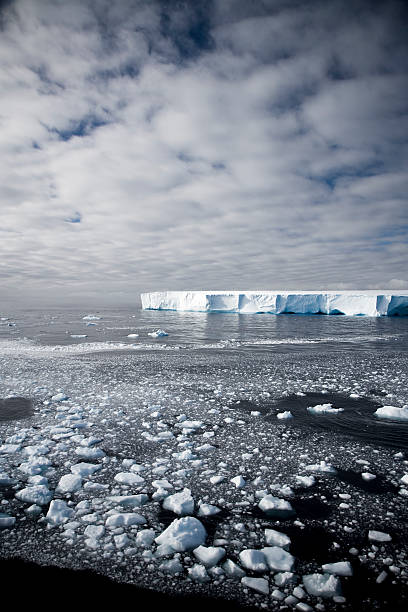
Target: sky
x=198 y=145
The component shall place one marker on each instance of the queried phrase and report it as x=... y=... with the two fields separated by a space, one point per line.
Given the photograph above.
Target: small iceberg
x=79 y=336
x=392 y=412
x=91 y=317
x=284 y=415
x=324 y=409
x=159 y=333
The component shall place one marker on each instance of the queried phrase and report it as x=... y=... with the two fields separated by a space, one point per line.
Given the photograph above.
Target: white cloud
x=271 y=156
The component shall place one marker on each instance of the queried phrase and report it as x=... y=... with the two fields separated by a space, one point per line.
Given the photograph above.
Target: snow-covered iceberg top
x=351 y=303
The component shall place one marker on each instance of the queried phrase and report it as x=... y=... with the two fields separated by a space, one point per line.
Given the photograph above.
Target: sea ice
x=253 y=560
x=198 y=573
x=69 y=483
x=208 y=510
x=340 y=568
x=276 y=507
x=183 y=534
x=59 y=512
x=6 y=520
x=324 y=409
x=260 y=585
x=284 y=415
x=392 y=412
x=276 y=538
x=209 y=555
x=132 y=501
x=37 y=494
x=378 y=536
x=180 y=503
x=129 y=478
x=159 y=333
x=278 y=560
x=59 y=397
x=232 y=569
x=125 y=519
x=85 y=469
x=322 y=585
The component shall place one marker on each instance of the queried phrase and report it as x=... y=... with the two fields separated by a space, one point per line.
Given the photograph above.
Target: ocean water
x=75 y=391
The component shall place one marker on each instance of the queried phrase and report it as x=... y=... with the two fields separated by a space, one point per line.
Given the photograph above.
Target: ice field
x=255 y=460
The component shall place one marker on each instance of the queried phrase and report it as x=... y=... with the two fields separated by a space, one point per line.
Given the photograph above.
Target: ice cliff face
x=351 y=303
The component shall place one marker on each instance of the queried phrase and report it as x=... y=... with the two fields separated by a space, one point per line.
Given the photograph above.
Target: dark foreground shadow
x=86 y=588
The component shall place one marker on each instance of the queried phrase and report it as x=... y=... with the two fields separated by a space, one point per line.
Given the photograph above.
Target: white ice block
x=350 y=303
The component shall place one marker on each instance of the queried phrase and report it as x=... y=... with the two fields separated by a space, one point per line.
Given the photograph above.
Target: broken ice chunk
x=209 y=555
x=322 y=585
x=260 y=585
x=276 y=507
x=378 y=536
x=180 y=503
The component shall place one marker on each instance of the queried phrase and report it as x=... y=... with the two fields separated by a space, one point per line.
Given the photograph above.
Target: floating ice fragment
x=69 y=483
x=145 y=538
x=322 y=585
x=238 y=481
x=276 y=538
x=124 y=519
x=378 y=536
x=79 y=335
x=133 y=335
x=91 y=317
x=59 y=397
x=208 y=510
x=198 y=573
x=278 y=560
x=85 y=469
x=9 y=449
x=5 y=480
x=180 y=503
x=209 y=555
x=183 y=534
x=392 y=412
x=340 y=568
x=133 y=501
x=37 y=494
x=253 y=560
x=171 y=566
x=232 y=569
x=217 y=479
x=284 y=578
x=367 y=476
x=159 y=333
x=323 y=467
x=129 y=478
x=94 y=531
x=284 y=415
x=324 y=409
x=260 y=585
x=59 y=512
x=276 y=507
x=305 y=481
x=6 y=521
x=89 y=453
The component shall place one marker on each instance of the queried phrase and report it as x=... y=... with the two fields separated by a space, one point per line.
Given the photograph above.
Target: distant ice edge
x=330 y=303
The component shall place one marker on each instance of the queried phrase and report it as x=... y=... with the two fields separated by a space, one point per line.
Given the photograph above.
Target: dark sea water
x=195 y=330
x=126 y=396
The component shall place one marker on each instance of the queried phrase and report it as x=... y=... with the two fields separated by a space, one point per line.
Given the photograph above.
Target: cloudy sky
x=214 y=144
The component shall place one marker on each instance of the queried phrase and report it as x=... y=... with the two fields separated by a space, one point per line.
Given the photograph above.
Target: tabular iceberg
x=350 y=303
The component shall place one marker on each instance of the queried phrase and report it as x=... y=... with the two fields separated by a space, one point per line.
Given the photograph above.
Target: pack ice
x=351 y=303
